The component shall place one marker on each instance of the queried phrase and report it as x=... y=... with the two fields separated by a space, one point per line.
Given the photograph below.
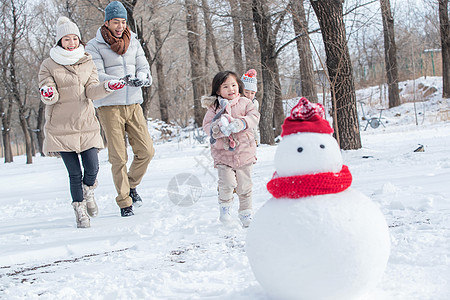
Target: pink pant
x=239 y=179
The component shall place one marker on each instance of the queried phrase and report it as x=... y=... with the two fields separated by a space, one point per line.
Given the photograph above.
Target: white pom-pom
x=62 y=20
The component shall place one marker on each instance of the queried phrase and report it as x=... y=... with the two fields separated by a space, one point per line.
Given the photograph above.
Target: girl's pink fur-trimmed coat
x=245 y=151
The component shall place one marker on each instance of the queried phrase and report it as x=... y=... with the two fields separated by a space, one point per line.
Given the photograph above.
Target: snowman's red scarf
x=310 y=184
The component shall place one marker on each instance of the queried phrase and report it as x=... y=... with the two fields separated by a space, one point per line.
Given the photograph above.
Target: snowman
x=316 y=238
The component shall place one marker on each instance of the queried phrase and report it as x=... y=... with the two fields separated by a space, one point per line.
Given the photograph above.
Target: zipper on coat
x=127 y=87
x=82 y=92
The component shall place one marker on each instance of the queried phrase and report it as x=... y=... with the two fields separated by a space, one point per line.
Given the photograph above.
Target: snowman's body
x=329 y=246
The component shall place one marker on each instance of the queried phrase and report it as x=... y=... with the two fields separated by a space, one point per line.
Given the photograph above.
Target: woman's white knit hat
x=64 y=27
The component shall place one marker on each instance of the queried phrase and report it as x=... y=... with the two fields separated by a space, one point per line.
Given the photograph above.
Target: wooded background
x=299 y=48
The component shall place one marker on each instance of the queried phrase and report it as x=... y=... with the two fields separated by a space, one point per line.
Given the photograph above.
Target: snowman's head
x=307 y=146
x=307 y=153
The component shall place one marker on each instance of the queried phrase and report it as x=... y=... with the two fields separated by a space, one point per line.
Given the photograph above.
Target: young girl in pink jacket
x=229 y=122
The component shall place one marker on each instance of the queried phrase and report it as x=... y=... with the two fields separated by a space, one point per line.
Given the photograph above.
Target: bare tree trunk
x=162 y=90
x=6 y=130
x=445 y=41
x=22 y=119
x=26 y=133
x=279 y=115
x=146 y=92
x=304 y=51
x=40 y=127
x=210 y=37
x=252 y=53
x=250 y=48
x=390 y=53
x=30 y=130
x=270 y=73
x=12 y=80
x=5 y=112
x=7 y=145
x=196 y=57
x=139 y=30
x=331 y=20
x=237 y=40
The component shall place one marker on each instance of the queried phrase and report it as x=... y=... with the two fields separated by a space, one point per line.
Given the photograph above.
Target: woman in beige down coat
x=68 y=83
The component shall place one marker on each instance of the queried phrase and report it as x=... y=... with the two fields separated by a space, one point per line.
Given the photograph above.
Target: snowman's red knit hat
x=306 y=117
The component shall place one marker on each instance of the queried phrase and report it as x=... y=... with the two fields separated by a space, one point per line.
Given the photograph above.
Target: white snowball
x=333 y=246
x=319 y=153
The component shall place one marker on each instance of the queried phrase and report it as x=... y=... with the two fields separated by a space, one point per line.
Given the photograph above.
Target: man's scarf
x=118 y=45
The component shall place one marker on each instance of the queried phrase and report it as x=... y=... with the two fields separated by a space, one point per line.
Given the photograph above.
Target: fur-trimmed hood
x=207 y=101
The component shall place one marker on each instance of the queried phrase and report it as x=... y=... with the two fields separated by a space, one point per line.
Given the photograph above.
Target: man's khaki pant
x=239 y=179
x=117 y=122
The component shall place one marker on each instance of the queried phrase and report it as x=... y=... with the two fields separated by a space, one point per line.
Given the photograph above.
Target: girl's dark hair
x=219 y=79
x=59 y=43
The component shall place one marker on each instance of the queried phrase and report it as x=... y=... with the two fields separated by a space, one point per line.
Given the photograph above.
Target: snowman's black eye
x=322 y=146
x=299 y=149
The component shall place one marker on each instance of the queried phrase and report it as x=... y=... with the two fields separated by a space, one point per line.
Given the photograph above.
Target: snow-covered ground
x=181 y=251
